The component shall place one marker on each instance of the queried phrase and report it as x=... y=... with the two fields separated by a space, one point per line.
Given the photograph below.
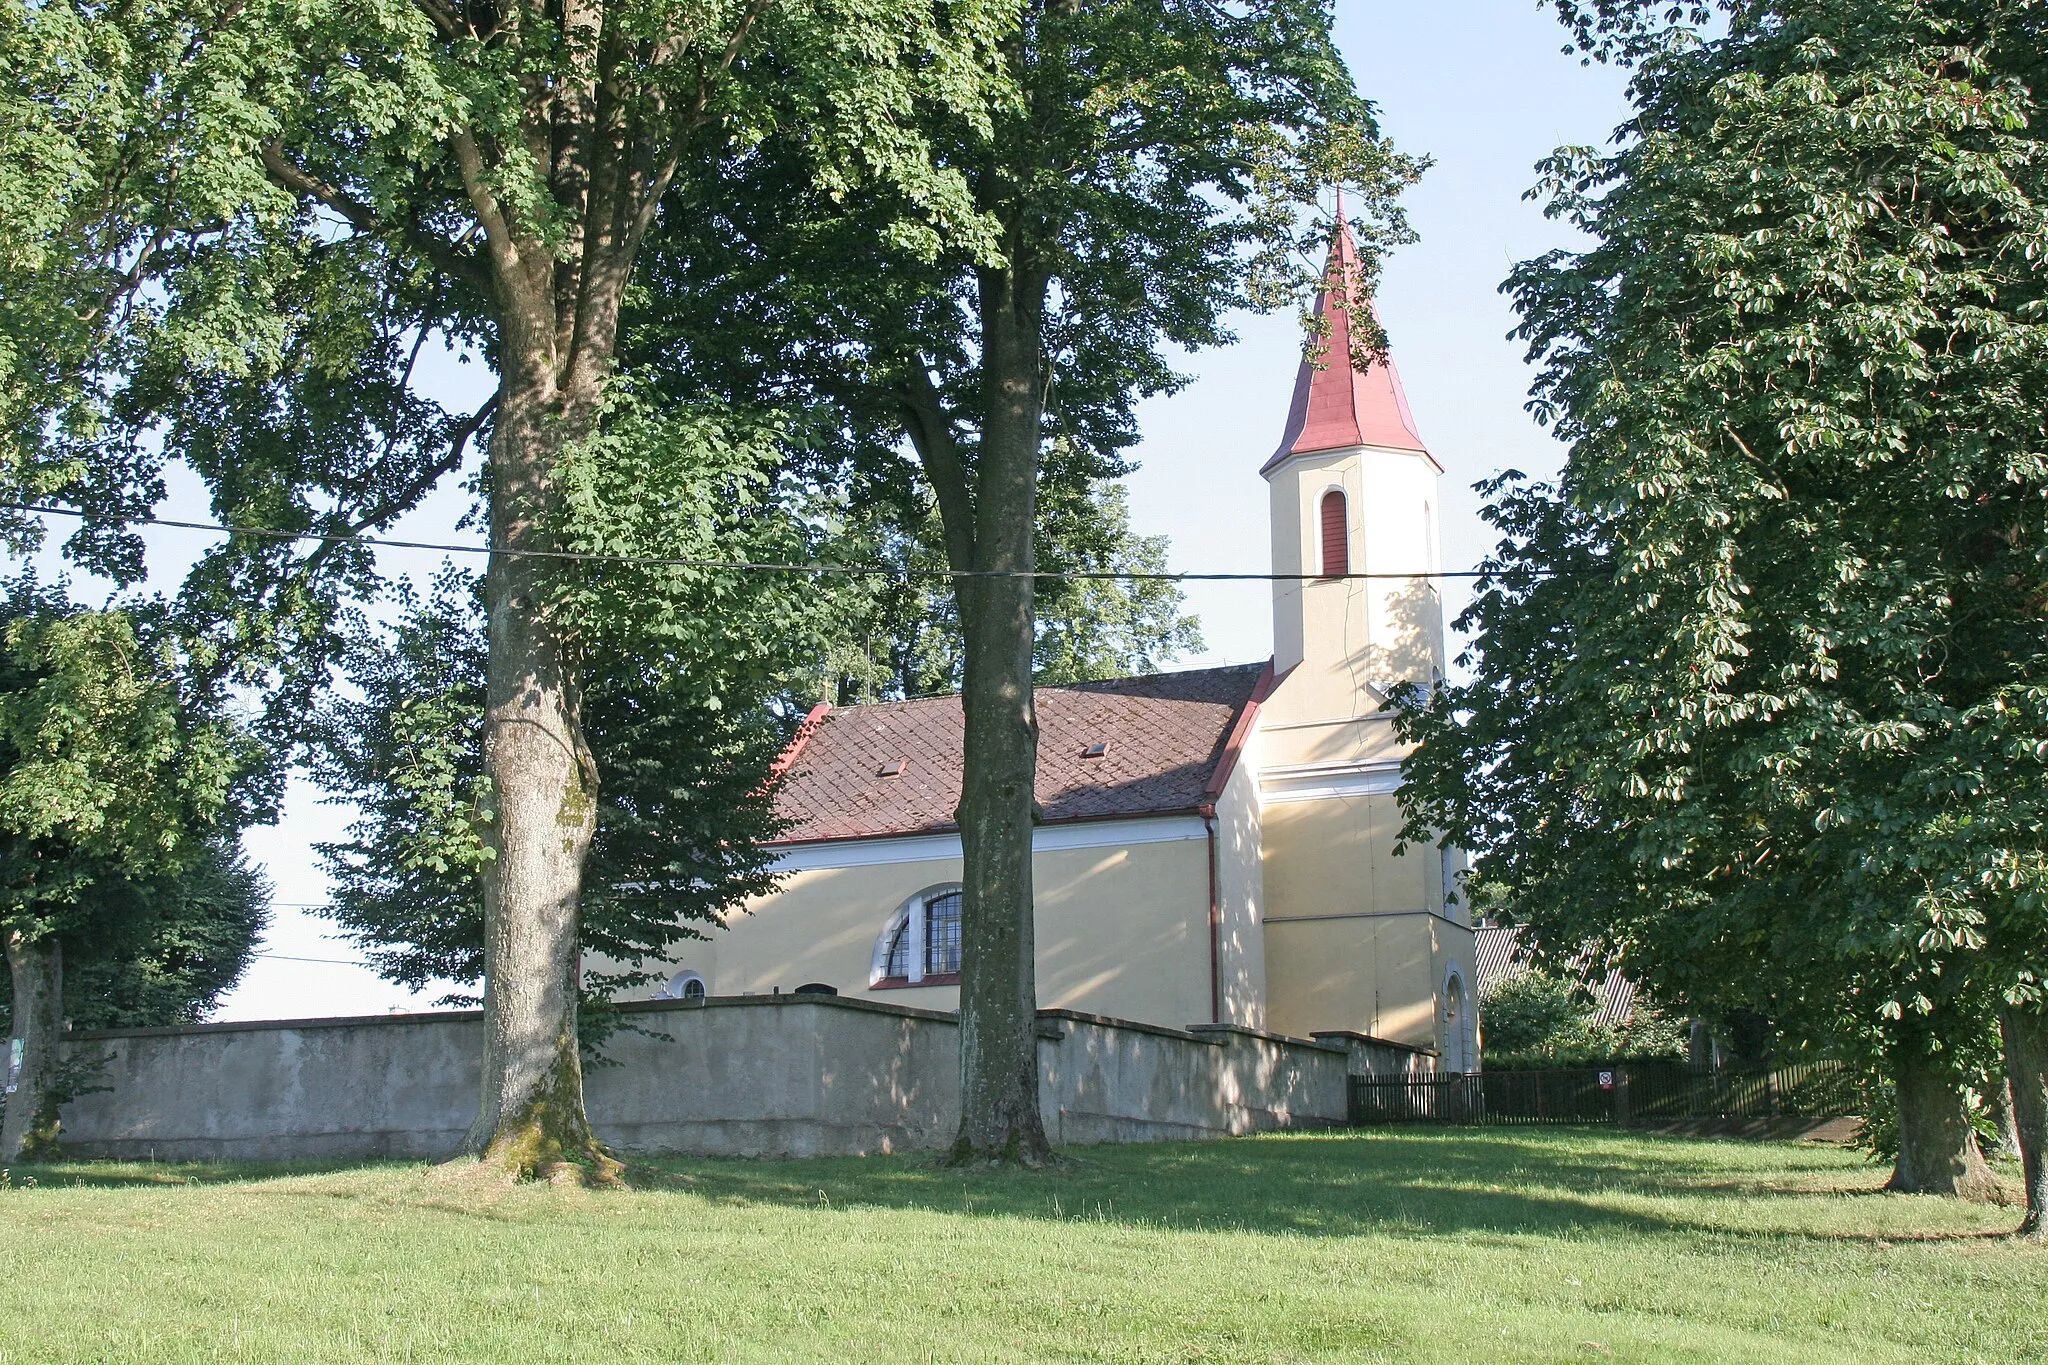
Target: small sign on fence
x=1607 y=1080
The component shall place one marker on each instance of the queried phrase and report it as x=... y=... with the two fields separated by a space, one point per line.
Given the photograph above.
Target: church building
x=1218 y=845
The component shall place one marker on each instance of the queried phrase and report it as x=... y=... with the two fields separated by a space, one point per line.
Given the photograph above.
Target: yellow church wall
x=1241 y=894
x=1335 y=855
x=1367 y=739
x=1121 y=930
x=1362 y=975
x=1350 y=943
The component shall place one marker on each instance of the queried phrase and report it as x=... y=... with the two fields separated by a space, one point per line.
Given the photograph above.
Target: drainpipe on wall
x=1215 y=923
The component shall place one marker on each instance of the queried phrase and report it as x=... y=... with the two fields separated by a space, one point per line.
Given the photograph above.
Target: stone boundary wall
x=1382 y=1057
x=783 y=1075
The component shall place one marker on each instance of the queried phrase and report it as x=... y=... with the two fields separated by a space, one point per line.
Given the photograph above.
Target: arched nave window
x=920 y=945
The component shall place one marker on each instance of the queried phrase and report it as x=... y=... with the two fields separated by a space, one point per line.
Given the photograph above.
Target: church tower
x=1357 y=939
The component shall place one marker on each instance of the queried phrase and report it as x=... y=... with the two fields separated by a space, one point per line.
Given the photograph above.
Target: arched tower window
x=1336 y=535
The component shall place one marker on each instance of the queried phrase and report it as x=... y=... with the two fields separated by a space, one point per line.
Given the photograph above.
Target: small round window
x=684 y=986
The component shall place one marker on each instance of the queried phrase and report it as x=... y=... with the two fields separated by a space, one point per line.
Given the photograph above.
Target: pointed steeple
x=1337 y=406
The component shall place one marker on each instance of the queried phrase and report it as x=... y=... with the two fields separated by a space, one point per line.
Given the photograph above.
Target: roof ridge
x=1060 y=687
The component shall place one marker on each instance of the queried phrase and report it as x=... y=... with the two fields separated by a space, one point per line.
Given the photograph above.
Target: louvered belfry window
x=1336 y=536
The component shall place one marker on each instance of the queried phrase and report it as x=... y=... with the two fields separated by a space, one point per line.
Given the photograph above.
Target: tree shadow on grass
x=112 y=1175
x=1386 y=1182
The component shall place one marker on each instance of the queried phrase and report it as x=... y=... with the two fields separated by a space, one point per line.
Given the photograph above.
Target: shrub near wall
x=1535 y=1019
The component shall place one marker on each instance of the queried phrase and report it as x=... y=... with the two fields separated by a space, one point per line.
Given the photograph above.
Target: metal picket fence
x=1625 y=1093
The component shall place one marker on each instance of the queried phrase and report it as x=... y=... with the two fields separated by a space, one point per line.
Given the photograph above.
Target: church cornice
x=1329 y=781
x=1329 y=453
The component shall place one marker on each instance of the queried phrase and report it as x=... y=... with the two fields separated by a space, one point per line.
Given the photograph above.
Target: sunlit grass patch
x=1399 y=1245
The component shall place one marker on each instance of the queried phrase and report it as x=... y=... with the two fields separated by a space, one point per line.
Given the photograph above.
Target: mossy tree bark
x=543 y=784
x=1938 y=1151
x=36 y=966
x=2025 y=1033
x=1999 y=1102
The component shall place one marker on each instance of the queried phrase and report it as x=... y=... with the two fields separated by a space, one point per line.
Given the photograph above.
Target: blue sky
x=1479 y=85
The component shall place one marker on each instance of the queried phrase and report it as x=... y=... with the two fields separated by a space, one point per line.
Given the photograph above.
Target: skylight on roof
x=1096 y=750
x=893 y=768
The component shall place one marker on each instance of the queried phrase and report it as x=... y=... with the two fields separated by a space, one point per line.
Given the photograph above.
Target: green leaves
x=1804 y=376
x=108 y=767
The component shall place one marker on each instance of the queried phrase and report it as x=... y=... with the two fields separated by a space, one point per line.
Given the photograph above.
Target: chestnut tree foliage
x=1758 y=690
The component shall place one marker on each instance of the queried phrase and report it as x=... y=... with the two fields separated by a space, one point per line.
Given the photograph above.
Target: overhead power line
x=670 y=562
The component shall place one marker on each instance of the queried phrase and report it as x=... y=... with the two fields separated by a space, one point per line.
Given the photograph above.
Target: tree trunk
x=29 y=1129
x=1937 y=1146
x=2026 y=1066
x=1999 y=1105
x=543 y=794
x=999 y=1115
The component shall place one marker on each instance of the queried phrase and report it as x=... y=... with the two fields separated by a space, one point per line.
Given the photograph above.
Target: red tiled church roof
x=1338 y=406
x=1164 y=735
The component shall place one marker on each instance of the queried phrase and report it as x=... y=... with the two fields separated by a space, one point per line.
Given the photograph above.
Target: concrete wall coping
x=1266 y=1035
x=1110 y=1021
x=841 y=1002
x=455 y=1016
x=1351 y=1036
x=87 y=1035
x=1209 y=1034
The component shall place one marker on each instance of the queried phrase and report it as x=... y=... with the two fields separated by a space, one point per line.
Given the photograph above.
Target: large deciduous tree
x=117 y=159
x=1147 y=174
x=483 y=176
x=1757 y=689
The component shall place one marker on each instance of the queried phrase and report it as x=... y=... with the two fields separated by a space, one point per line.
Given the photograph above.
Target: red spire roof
x=1336 y=407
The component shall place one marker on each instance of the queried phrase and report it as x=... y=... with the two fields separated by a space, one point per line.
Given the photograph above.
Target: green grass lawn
x=1425 y=1245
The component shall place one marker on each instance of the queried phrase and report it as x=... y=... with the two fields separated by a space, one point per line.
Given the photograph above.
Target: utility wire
x=658 y=561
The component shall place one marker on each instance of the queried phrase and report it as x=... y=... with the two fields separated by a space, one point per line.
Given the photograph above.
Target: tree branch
x=280 y=169
x=130 y=282
x=445 y=19
x=365 y=219
x=686 y=122
x=398 y=502
x=931 y=433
